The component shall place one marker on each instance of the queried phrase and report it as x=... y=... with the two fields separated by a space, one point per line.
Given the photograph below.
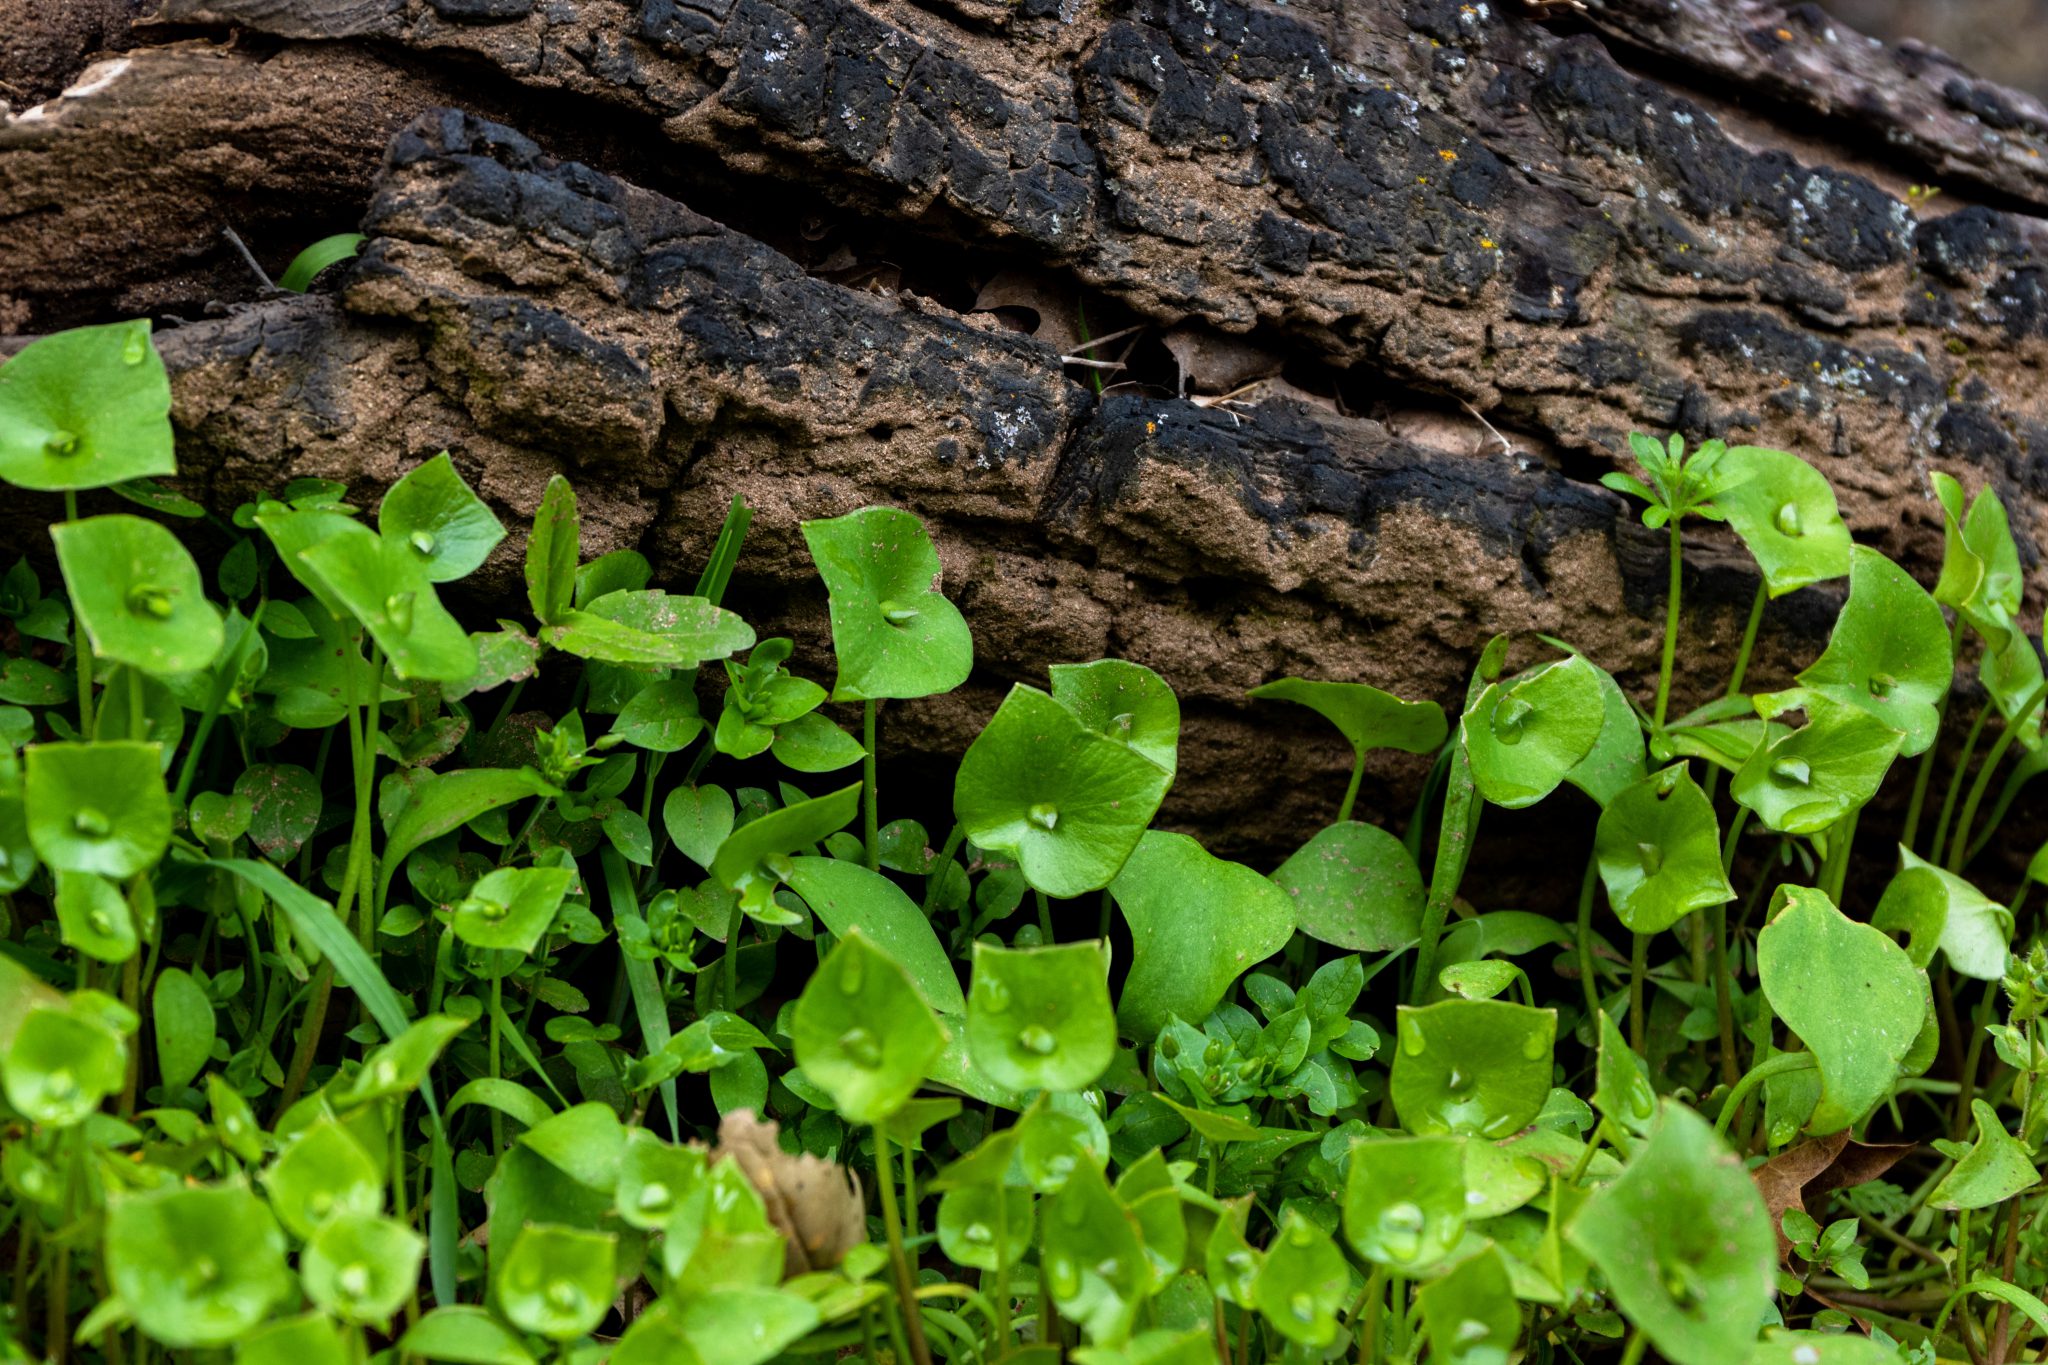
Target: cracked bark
x=1416 y=206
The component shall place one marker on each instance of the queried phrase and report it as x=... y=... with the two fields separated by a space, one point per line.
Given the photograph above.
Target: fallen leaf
x=1817 y=1167
x=1212 y=362
x=815 y=1203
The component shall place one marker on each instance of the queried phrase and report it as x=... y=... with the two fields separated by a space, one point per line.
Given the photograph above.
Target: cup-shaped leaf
x=1472 y=1067
x=84 y=409
x=1889 y=653
x=649 y=627
x=400 y=1066
x=61 y=1063
x=97 y=807
x=322 y=1172
x=308 y=1339
x=94 y=918
x=894 y=633
x=552 y=549
x=1784 y=510
x=1040 y=1018
x=1095 y=1262
x=1355 y=886
x=467 y=1332
x=1802 y=782
x=1470 y=1314
x=1523 y=735
x=654 y=1178
x=846 y=896
x=556 y=1282
x=1366 y=716
x=1685 y=1243
x=862 y=1033
x=754 y=858
x=1939 y=909
x=138 y=594
x=1621 y=1085
x=198 y=1265
x=1659 y=847
x=362 y=1267
x=1849 y=992
x=1996 y=1167
x=980 y=1223
x=1404 y=1200
x=383 y=584
x=1615 y=762
x=1303 y=1284
x=435 y=515
x=511 y=907
x=1125 y=701
x=736 y=1326
x=1197 y=923
x=1066 y=802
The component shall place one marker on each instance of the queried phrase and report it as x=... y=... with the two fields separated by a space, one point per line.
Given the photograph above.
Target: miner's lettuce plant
x=382 y=983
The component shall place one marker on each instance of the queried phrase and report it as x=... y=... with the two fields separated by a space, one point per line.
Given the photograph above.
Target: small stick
x=1091 y=344
x=235 y=240
x=1091 y=364
x=1507 y=447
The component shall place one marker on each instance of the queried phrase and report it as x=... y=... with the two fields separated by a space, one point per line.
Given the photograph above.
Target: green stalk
x=81 y=648
x=1586 y=977
x=1955 y=782
x=1638 y=1344
x=892 y=1229
x=366 y=786
x=731 y=965
x=2010 y=732
x=1638 y=968
x=1670 y=625
x=938 y=876
x=1756 y=1076
x=1453 y=850
x=497 y=1013
x=1841 y=839
x=1756 y=617
x=869 y=801
x=1044 y=916
x=1351 y=792
x=1926 y=773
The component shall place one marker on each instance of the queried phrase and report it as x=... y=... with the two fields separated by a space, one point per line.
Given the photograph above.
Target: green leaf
x=466 y=1335
x=846 y=896
x=362 y=1267
x=1404 y=1200
x=1197 y=924
x=445 y=802
x=894 y=633
x=1040 y=1018
x=383 y=584
x=755 y=857
x=305 y=267
x=1805 y=781
x=84 y=409
x=1304 y=1282
x=1524 y=735
x=1889 y=653
x=552 y=550
x=433 y=513
x=1095 y=1262
x=649 y=627
x=1940 y=909
x=698 y=819
x=138 y=594
x=321 y=1173
x=556 y=1282
x=198 y=1266
x=662 y=717
x=94 y=917
x=1475 y=1067
x=284 y=807
x=812 y=743
x=862 y=1032
x=1124 y=701
x=308 y=1339
x=509 y=1098
x=1615 y=762
x=1068 y=804
x=1470 y=1314
x=1685 y=1243
x=1659 y=848
x=742 y=1325
x=314 y=919
x=586 y=1142
x=1996 y=1167
x=1367 y=717
x=182 y=1018
x=62 y=1061
x=400 y=1066
x=511 y=907
x=980 y=1223
x=1784 y=510
x=1355 y=886
x=98 y=808
x=1621 y=1086
x=1850 y=993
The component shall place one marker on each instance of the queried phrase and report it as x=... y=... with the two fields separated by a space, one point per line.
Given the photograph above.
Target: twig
x=1105 y=339
x=235 y=241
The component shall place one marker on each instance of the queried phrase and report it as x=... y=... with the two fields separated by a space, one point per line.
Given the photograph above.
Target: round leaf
x=435 y=515
x=1889 y=653
x=895 y=635
x=61 y=1063
x=138 y=594
x=862 y=1032
x=980 y=1223
x=468 y=1335
x=1304 y=1282
x=94 y=917
x=556 y=1282
x=1474 y=1067
x=362 y=1267
x=97 y=807
x=323 y=1172
x=198 y=1266
x=1126 y=702
x=813 y=744
x=1523 y=736
x=1404 y=1200
x=1802 y=782
x=1659 y=847
x=1784 y=510
x=1040 y=1018
x=84 y=409
x=1355 y=886
x=509 y=909
x=284 y=807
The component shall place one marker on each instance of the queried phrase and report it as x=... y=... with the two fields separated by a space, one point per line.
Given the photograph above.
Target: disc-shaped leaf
x=894 y=633
x=649 y=627
x=1784 y=510
x=471 y=1335
x=84 y=409
x=197 y=1265
x=138 y=594
x=183 y=1023
x=1366 y=716
x=1470 y=1314
x=1937 y=908
x=1355 y=886
x=1095 y=1262
x=94 y=918
x=97 y=807
x=322 y=1172
x=1823 y=1348
x=1473 y=1067
x=1524 y=735
x=511 y=907
x=1615 y=762
x=1850 y=993
x=1685 y=1243
x=846 y=896
x=284 y=807
x=1659 y=847
x=445 y=525
x=980 y=1223
x=61 y=1063
x=1889 y=653
x=1805 y=781
x=362 y=1267
x=1067 y=803
x=556 y=1282
x=736 y=1326
x=1404 y=1200
x=1304 y=1282
x=1197 y=924
x=1126 y=702
x=1040 y=1018
x=754 y=858
x=1996 y=1167
x=383 y=584
x=862 y=1033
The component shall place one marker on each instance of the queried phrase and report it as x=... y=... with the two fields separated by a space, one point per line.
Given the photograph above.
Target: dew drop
x=91 y=823
x=861 y=1048
x=896 y=614
x=61 y=442
x=851 y=974
x=1534 y=1048
x=654 y=1197
x=1881 y=684
x=205 y=1270
x=1401 y=1229
x=354 y=1280
x=134 y=348
x=1458 y=1083
x=423 y=541
x=1037 y=1040
x=60 y=1084
x=1303 y=1307
x=1043 y=814
x=1510 y=719
x=1412 y=1040
x=147 y=599
x=565 y=1297
x=1302 y=1235
x=994 y=996
x=1796 y=772
x=1788 y=521
x=1066 y=1282
x=977 y=1234
x=1651 y=857
x=100 y=923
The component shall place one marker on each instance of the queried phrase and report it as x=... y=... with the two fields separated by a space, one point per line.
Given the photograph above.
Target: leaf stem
x=497 y=1014
x=1756 y=617
x=1351 y=792
x=892 y=1229
x=81 y=647
x=936 y=880
x=1775 y=1066
x=1670 y=654
x=1638 y=1344
x=1638 y=968
x=1044 y=917
x=1926 y=773
x=1958 y=850
x=1453 y=850
x=1955 y=781
x=869 y=801
x=1586 y=977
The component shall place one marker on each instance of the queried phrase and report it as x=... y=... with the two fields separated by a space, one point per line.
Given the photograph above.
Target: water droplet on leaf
x=1044 y=815
x=1037 y=1040
x=861 y=1048
x=1796 y=771
x=90 y=823
x=61 y=442
x=1788 y=521
x=398 y=611
x=1651 y=857
x=423 y=541
x=1510 y=718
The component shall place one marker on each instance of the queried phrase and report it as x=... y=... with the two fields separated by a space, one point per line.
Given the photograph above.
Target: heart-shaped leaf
x=436 y=515
x=382 y=584
x=1850 y=993
x=895 y=634
x=98 y=808
x=1684 y=1242
x=980 y=1224
x=1937 y=908
x=1404 y=1200
x=1524 y=735
x=1124 y=701
x=1472 y=1067
x=556 y=1282
x=1355 y=886
x=198 y=1266
x=1784 y=510
x=1889 y=653
x=322 y=1172
x=1659 y=848
x=697 y=820
x=511 y=907
x=84 y=409
x=1996 y=1167
x=863 y=1033
x=1197 y=924
x=1807 y=780
x=1040 y=1018
x=362 y=1267
x=1066 y=802
x=1304 y=1282
x=138 y=594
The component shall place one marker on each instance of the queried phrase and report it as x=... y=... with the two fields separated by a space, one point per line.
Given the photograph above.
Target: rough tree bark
x=686 y=248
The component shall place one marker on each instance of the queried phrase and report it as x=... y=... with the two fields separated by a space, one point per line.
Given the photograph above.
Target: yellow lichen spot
x=1448 y=154
x=1784 y=35
x=1486 y=242
x=1151 y=428
x=1422 y=180
x=1816 y=365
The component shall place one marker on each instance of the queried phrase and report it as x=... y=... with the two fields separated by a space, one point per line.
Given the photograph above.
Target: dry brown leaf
x=1211 y=362
x=1816 y=1167
x=1041 y=306
x=816 y=1204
